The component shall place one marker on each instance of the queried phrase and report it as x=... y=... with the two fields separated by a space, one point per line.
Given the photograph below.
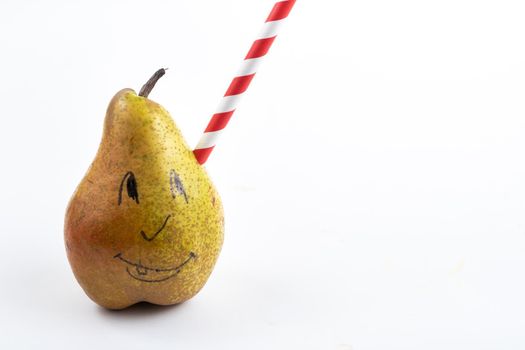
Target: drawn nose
x=149 y=239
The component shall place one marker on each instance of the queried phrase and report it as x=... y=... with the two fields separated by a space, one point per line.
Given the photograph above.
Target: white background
x=373 y=177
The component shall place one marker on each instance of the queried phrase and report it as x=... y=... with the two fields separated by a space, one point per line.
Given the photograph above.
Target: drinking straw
x=242 y=80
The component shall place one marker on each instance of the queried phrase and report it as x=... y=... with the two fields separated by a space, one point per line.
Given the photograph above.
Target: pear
x=145 y=223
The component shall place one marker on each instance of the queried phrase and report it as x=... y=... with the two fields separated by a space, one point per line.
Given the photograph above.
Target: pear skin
x=145 y=223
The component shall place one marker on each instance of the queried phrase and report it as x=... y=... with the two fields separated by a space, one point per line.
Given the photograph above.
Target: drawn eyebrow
x=131 y=187
x=176 y=186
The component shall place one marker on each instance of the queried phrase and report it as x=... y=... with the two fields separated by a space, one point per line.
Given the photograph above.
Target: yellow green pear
x=145 y=223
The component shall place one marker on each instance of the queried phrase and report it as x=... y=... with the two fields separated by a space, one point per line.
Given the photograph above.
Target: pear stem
x=150 y=84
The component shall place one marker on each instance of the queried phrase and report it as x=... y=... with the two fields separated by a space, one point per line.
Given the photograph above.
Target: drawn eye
x=176 y=186
x=131 y=187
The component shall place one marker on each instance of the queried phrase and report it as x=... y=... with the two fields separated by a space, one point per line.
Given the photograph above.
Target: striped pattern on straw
x=242 y=80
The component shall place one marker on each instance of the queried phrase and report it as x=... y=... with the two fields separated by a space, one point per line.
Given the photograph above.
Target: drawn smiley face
x=136 y=269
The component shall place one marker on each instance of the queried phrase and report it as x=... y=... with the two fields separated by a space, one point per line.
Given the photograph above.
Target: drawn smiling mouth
x=142 y=273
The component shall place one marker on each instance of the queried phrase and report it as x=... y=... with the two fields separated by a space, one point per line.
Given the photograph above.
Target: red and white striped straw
x=242 y=80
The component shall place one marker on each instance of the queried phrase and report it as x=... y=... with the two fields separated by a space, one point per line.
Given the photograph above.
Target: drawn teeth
x=141 y=270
